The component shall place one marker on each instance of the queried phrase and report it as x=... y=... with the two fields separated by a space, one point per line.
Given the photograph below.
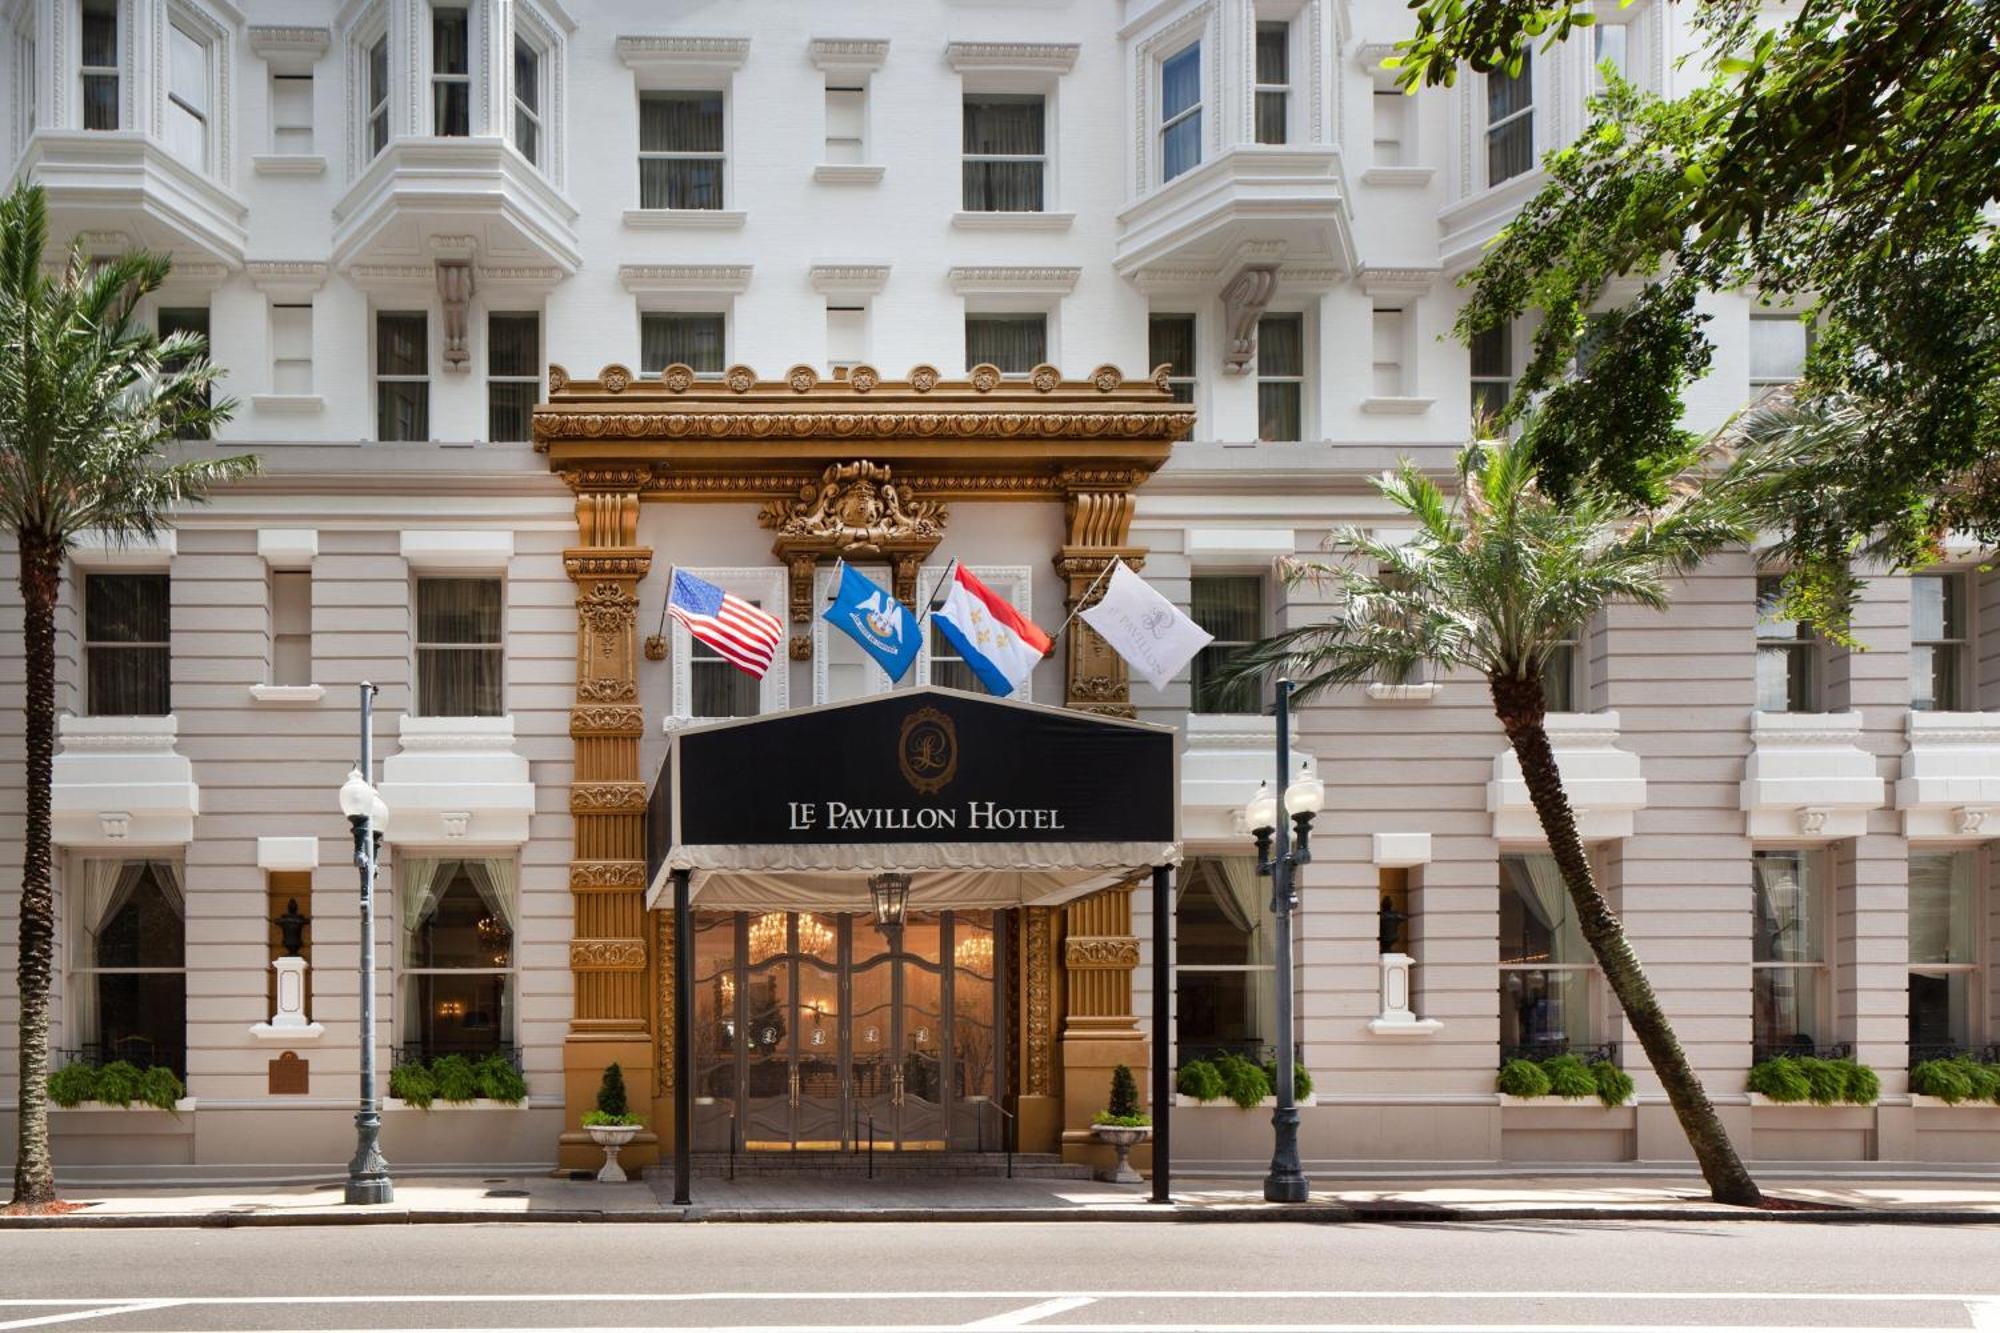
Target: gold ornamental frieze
x=616 y=955
x=606 y=797
x=1083 y=953
x=606 y=876
x=607 y=720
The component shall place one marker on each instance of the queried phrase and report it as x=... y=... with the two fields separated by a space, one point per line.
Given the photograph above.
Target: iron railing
x=1801 y=1050
x=139 y=1051
x=425 y=1052
x=1948 y=1050
x=1606 y=1051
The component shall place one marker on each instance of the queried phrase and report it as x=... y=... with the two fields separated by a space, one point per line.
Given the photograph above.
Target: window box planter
x=1585 y=1103
x=480 y=1104
x=181 y=1107
x=1759 y=1099
x=1967 y=1104
x=1181 y=1099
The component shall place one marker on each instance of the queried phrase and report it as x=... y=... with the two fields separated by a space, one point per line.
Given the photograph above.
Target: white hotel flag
x=1152 y=634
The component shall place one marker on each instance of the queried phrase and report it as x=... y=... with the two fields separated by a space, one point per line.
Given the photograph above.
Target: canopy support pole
x=1163 y=1080
x=683 y=1040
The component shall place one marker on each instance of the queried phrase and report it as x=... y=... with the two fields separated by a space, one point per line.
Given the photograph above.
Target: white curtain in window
x=1786 y=920
x=1241 y=894
x=168 y=876
x=420 y=882
x=694 y=341
x=1016 y=344
x=1944 y=925
x=498 y=885
x=1543 y=893
x=1003 y=127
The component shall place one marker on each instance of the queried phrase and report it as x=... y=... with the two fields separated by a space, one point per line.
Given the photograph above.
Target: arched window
x=129 y=976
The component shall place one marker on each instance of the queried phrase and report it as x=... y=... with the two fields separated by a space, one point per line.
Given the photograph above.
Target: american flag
x=744 y=634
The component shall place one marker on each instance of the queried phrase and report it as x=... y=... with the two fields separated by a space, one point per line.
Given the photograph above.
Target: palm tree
x=88 y=399
x=1495 y=579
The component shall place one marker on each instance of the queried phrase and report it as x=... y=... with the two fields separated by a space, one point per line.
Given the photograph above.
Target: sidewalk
x=1502 y=1196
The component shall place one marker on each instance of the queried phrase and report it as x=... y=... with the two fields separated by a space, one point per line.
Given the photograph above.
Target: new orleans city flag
x=999 y=643
x=886 y=630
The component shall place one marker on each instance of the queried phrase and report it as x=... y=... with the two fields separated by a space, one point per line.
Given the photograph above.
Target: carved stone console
x=855 y=511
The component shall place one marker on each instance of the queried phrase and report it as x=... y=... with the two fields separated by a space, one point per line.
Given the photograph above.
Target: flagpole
x=1102 y=574
x=660 y=636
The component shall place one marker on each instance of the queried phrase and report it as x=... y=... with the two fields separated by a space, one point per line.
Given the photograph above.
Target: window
x=292 y=349
x=1281 y=376
x=451 y=73
x=846 y=338
x=528 y=100
x=402 y=376
x=1547 y=993
x=1510 y=122
x=1561 y=684
x=460 y=661
x=680 y=150
x=1787 y=678
x=1937 y=643
x=716 y=685
x=187 y=97
x=694 y=341
x=1223 y=933
x=127 y=645
x=291 y=113
x=458 y=920
x=1170 y=343
x=101 y=93
x=1946 y=997
x=1014 y=343
x=1777 y=351
x=1492 y=371
x=378 y=95
x=1005 y=154
x=1391 y=337
x=1231 y=607
x=1788 y=954
x=1392 y=127
x=189 y=320
x=1274 y=81
x=291 y=627
x=846 y=122
x=1180 y=112
x=130 y=985
x=513 y=374
x=1613 y=44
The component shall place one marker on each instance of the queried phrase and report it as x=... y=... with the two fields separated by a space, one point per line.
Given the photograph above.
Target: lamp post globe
x=357 y=798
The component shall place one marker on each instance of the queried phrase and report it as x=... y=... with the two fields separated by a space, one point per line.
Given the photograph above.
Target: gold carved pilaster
x=1100 y=953
x=1039 y=997
x=1097 y=527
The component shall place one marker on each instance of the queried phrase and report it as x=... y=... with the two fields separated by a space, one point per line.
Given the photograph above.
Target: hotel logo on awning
x=927 y=750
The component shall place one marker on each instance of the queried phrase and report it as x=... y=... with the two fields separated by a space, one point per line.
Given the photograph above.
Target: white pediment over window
x=119 y=783
x=457 y=782
x=1605 y=784
x=1808 y=778
x=1950 y=784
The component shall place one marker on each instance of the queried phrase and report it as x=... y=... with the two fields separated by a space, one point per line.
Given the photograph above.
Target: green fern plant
x=1781 y=1079
x=1522 y=1078
x=1614 y=1085
x=120 y=1083
x=499 y=1081
x=412 y=1083
x=1200 y=1080
x=73 y=1085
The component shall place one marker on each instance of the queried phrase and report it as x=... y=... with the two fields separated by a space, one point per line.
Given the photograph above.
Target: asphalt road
x=1049 y=1277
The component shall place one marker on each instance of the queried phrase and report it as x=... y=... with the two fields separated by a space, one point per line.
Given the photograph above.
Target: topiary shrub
x=1864 y=1087
x=499 y=1081
x=456 y=1079
x=1780 y=1079
x=1614 y=1085
x=1200 y=1080
x=119 y=1083
x=1242 y=1081
x=1302 y=1082
x=1947 y=1080
x=1569 y=1077
x=1124 y=1092
x=73 y=1085
x=611 y=1092
x=1522 y=1078
x=159 y=1086
x=412 y=1083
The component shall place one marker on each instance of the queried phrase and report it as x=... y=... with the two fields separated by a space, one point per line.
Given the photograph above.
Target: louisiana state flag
x=867 y=613
x=999 y=643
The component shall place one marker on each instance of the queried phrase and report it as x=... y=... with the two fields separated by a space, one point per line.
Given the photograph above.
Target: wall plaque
x=289 y=1075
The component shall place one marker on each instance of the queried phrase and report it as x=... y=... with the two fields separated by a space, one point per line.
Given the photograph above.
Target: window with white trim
x=458 y=919
x=1510 y=122
x=1274 y=81
x=1778 y=346
x=377 y=113
x=128 y=969
x=1789 y=981
x=1563 y=688
x=291 y=113
x=846 y=338
x=1389 y=329
x=846 y=122
x=461 y=656
x=529 y=131
x=451 y=72
x=1224 y=933
x=127 y=645
x=1281 y=377
x=841 y=669
x=1391 y=126
x=1170 y=343
x=688 y=338
x=681 y=154
x=1230 y=607
x=513 y=373
x=1611 y=44
x=192 y=321
x=101 y=73
x=939 y=662
x=291 y=627
x=291 y=347
x=402 y=375
x=706 y=684
x=189 y=96
x=1492 y=371
x=1013 y=343
x=1005 y=153
x=1787 y=654
x=1548 y=976
x=1947 y=991
x=1939 y=644
x=1180 y=112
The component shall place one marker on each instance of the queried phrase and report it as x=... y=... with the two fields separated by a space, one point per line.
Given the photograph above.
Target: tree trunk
x=34 y=1168
x=1521 y=709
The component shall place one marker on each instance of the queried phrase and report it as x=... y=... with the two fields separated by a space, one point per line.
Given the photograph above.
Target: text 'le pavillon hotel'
x=529 y=305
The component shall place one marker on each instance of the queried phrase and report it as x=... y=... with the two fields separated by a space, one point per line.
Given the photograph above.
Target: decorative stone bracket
x=856 y=510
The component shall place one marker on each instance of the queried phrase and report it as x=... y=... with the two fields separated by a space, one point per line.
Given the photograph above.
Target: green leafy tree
x=1844 y=154
x=90 y=401
x=1493 y=581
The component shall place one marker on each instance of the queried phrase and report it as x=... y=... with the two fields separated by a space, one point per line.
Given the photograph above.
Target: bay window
x=1180 y=112
x=528 y=100
x=378 y=95
x=1510 y=122
x=100 y=69
x=1274 y=81
x=451 y=73
x=188 y=103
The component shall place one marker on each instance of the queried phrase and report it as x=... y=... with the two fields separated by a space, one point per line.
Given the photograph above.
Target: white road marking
x=973 y=1294
x=1189 y=1328
x=102 y=1312
x=1030 y=1313
x=1985 y=1315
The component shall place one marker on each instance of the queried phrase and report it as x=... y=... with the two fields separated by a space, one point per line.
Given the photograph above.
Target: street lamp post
x=1279 y=857
x=368 y=1174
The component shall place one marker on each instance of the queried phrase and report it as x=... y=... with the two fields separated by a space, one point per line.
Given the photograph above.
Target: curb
x=1319 y=1214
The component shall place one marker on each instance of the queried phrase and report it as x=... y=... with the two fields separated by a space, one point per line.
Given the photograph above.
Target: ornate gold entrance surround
x=866 y=468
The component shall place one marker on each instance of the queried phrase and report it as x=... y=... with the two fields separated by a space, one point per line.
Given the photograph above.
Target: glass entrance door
x=812 y=1030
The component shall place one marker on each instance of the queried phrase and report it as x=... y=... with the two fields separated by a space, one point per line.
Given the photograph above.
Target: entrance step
x=813 y=1164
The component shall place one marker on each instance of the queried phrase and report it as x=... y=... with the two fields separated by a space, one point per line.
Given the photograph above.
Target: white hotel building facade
x=404 y=223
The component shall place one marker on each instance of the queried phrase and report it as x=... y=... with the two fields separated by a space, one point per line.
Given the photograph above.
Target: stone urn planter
x=1121 y=1138
x=611 y=1138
